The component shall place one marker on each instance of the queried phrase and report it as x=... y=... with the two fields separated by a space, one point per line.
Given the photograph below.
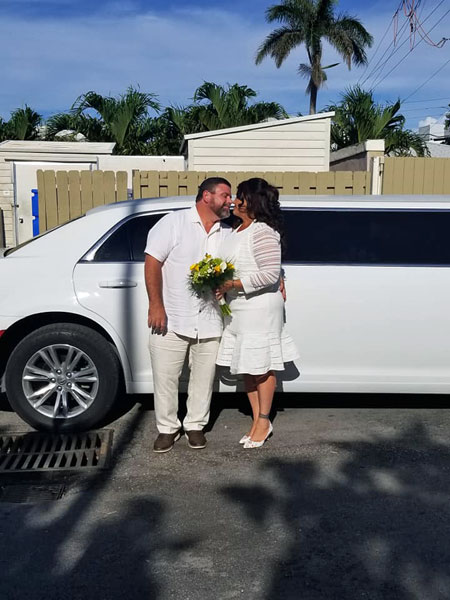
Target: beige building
x=295 y=144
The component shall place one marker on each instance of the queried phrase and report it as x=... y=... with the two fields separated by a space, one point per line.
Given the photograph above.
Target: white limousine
x=368 y=285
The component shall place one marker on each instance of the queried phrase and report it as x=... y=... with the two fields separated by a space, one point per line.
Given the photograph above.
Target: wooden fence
x=157 y=184
x=65 y=195
x=416 y=175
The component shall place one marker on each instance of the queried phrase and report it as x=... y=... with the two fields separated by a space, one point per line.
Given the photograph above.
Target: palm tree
x=217 y=107
x=170 y=127
x=125 y=119
x=3 y=135
x=309 y=22
x=358 y=118
x=214 y=107
x=23 y=124
x=92 y=128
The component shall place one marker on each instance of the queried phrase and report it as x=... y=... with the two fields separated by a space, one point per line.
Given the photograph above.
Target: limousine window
x=128 y=242
x=389 y=237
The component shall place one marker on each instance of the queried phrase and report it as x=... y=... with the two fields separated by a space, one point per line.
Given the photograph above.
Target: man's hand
x=157 y=319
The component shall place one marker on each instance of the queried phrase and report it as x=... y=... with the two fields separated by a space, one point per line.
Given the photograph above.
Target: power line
x=376 y=50
x=422 y=109
x=427 y=100
x=408 y=53
x=429 y=78
x=394 y=51
x=380 y=65
x=397 y=37
x=391 y=55
x=377 y=67
x=416 y=26
x=378 y=80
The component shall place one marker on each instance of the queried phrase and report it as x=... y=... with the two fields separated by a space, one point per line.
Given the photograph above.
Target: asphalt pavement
x=350 y=499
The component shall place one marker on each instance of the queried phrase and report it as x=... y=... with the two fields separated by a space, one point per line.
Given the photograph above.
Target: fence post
x=377 y=175
x=2 y=231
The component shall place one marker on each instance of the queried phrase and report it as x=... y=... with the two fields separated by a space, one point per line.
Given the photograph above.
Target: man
x=180 y=323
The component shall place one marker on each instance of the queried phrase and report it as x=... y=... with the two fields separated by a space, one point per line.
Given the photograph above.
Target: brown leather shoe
x=196 y=439
x=165 y=441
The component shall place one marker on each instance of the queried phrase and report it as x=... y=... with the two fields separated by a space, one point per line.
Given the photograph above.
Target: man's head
x=215 y=193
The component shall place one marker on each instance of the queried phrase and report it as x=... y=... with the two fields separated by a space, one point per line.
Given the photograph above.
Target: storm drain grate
x=36 y=452
x=27 y=493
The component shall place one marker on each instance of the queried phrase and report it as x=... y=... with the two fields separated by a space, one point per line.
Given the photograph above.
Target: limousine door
x=368 y=297
x=110 y=282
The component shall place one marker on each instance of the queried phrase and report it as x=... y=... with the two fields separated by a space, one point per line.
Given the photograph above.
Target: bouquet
x=209 y=274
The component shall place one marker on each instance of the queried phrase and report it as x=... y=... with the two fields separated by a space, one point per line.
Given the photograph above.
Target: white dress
x=254 y=340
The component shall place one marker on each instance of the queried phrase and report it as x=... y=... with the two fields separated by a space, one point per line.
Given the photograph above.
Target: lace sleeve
x=267 y=253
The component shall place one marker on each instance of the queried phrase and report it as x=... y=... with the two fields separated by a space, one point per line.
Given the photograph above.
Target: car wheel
x=62 y=377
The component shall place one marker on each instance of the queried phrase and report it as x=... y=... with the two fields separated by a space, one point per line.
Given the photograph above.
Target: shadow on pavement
x=55 y=550
x=4 y=404
x=372 y=525
x=238 y=401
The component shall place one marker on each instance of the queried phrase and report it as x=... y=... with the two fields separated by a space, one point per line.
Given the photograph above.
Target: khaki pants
x=168 y=353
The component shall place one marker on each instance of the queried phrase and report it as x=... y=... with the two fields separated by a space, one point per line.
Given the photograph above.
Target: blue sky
x=54 y=50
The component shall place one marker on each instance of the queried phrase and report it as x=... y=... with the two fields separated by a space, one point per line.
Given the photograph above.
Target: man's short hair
x=210 y=185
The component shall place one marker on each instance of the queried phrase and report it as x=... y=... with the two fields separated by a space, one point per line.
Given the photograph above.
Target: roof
x=56 y=147
x=388 y=201
x=263 y=125
x=438 y=150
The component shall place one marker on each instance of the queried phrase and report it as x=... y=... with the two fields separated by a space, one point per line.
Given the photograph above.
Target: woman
x=254 y=342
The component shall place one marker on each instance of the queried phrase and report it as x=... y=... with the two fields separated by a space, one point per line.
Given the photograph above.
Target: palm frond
x=324 y=12
x=279 y=44
x=358 y=118
x=261 y=111
x=23 y=124
x=58 y=122
x=349 y=37
x=404 y=142
x=207 y=91
x=304 y=70
x=291 y=11
x=3 y=130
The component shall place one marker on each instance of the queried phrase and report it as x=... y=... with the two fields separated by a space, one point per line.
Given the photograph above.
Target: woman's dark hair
x=262 y=203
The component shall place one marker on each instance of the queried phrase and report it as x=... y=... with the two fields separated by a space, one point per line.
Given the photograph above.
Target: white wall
x=25 y=158
x=38 y=155
x=292 y=146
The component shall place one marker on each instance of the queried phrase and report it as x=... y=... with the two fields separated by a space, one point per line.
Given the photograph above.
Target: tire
x=63 y=377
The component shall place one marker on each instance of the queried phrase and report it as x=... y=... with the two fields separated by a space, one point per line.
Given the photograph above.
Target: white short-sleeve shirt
x=178 y=240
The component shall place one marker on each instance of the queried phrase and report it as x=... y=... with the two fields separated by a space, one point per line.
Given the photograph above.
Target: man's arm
x=157 y=318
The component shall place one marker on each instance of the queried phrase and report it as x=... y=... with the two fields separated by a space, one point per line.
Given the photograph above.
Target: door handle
x=118 y=283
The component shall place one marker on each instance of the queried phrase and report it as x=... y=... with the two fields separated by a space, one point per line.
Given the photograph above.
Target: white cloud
x=432 y=121
x=49 y=63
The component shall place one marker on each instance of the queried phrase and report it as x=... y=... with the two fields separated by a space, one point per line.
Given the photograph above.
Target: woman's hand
x=283 y=288
x=224 y=288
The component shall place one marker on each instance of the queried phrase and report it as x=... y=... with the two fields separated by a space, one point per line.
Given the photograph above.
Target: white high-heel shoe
x=252 y=444
x=244 y=439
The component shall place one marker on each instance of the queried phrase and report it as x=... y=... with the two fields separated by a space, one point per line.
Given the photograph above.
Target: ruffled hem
x=256 y=353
